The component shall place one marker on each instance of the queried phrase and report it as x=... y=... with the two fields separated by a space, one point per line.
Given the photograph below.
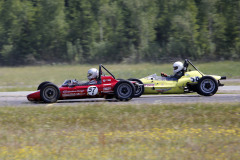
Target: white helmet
x=177 y=66
x=92 y=73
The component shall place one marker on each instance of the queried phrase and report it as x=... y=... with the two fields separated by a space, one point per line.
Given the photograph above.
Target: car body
x=107 y=87
x=191 y=81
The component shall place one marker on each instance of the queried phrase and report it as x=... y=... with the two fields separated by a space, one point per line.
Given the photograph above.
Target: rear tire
x=207 y=86
x=49 y=93
x=138 y=89
x=124 y=90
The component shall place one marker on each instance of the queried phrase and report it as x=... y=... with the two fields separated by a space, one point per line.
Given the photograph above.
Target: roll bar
x=100 y=71
x=189 y=62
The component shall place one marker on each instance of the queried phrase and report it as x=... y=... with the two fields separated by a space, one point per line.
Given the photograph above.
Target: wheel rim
x=50 y=93
x=138 y=90
x=124 y=90
x=208 y=86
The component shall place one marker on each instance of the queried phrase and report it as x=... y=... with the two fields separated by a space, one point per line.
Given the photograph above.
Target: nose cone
x=34 y=96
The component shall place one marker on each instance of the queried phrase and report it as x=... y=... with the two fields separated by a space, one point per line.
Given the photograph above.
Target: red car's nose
x=34 y=96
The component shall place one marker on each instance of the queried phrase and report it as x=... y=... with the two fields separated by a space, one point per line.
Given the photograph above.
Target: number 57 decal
x=92 y=90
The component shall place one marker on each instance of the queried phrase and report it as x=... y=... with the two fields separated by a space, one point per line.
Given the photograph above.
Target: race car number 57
x=92 y=90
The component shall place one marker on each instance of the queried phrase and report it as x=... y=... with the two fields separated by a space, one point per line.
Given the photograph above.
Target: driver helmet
x=92 y=73
x=177 y=66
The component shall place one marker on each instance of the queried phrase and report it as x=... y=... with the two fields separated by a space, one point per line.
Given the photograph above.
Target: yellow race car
x=191 y=81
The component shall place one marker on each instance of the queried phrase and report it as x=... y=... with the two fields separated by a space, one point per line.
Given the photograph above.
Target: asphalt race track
x=229 y=94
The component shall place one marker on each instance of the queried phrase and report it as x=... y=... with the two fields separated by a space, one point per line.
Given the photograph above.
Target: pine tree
x=82 y=26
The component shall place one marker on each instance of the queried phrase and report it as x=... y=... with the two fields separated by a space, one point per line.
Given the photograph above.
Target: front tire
x=124 y=90
x=49 y=93
x=42 y=84
x=138 y=89
x=207 y=86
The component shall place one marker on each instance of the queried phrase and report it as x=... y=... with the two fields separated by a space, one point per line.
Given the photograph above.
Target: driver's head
x=177 y=66
x=92 y=73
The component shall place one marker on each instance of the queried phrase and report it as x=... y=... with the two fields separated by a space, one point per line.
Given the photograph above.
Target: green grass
x=231 y=69
x=192 y=131
x=28 y=78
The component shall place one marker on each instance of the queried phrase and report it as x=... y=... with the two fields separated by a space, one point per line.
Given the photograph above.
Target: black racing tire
x=138 y=89
x=49 y=93
x=124 y=90
x=207 y=86
x=41 y=84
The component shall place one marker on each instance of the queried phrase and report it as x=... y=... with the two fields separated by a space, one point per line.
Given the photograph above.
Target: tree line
x=113 y=31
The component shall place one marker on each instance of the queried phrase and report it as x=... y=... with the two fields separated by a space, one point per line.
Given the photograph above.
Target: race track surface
x=19 y=99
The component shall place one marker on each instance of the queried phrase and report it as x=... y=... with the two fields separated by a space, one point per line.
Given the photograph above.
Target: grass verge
x=190 y=131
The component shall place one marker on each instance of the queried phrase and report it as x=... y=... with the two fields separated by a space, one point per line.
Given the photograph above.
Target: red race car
x=106 y=87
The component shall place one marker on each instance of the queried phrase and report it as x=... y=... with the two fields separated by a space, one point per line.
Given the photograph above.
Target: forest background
x=118 y=31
